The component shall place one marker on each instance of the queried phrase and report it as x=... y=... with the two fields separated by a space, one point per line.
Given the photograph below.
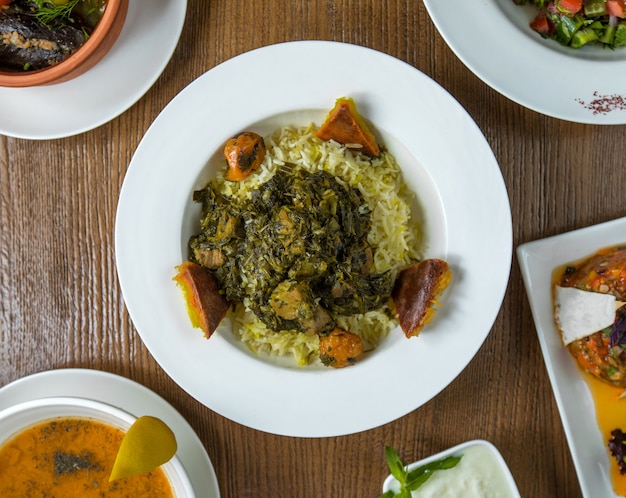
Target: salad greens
x=575 y=23
x=410 y=481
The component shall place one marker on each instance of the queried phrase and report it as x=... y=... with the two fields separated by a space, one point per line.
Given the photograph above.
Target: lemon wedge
x=148 y=444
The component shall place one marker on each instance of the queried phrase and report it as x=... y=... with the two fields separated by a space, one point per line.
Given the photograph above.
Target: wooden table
x=61 y=305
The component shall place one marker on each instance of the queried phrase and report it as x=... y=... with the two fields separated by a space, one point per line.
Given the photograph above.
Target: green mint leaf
x=418 y=481
x=388 y=494
x=395 y=465
x=404 y=493
x=417 y=477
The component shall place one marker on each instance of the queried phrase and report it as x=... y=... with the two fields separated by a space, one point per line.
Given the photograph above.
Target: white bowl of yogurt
x=481 y=473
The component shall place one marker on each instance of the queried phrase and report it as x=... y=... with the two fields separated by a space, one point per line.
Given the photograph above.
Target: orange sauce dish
x=601 y=362
x=71 y=457
x=611 y=414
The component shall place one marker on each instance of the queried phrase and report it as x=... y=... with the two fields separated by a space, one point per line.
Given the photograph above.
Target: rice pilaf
x=395 y=234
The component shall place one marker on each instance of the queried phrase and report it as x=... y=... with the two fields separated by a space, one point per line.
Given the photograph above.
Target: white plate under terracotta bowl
x=87 y=56
x=141 y=52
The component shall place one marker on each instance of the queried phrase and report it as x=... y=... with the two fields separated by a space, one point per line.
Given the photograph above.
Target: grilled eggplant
x=26 y=43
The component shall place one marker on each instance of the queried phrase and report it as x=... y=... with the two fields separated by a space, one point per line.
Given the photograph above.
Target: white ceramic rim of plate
x=294 y=75
x=537 y=260
x=492 y=38
x=134 y=63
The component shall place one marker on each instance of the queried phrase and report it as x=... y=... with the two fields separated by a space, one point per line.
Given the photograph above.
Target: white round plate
x=120 y=79
x=493 y=39
x=127 y=395
x=445 y=160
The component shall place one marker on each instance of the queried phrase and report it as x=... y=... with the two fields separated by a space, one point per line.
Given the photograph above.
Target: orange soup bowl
x=38 y=430
x=84 y=58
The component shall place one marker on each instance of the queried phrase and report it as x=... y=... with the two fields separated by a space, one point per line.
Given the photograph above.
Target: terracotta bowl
x=97 y=45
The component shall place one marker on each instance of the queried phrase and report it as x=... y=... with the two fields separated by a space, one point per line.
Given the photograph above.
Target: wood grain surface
x=61 y=305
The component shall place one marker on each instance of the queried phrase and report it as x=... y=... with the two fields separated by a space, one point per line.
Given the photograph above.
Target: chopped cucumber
x=596 y=8
x=566 y=28
x=582 y=37
x=608 y=36
x=619 y=39
x=597 y=25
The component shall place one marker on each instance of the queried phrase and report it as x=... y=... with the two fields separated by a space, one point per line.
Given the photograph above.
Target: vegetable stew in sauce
x=601 y=356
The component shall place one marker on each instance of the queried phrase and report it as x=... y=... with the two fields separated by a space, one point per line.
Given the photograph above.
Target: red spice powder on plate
x=603 y=104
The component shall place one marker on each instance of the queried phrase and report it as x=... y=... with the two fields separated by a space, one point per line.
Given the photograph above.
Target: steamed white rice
x=395 y=235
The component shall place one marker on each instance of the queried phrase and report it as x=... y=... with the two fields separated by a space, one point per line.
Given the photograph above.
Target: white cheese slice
x=581 y=313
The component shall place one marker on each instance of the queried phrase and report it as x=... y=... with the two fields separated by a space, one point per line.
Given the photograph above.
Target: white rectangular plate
x=537 y=261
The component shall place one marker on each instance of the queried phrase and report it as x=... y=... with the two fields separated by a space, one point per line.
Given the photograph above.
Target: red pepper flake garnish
x=603 y=104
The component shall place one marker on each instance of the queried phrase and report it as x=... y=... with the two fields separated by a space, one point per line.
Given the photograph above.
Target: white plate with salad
x=181 y=151
x=493 y=38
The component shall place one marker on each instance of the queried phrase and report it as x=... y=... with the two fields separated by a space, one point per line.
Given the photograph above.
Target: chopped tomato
x=615 y=8
x=569 y=6
x=541 y=24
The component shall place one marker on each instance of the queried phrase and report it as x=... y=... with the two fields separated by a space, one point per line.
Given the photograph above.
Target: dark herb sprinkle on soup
x=69 y=463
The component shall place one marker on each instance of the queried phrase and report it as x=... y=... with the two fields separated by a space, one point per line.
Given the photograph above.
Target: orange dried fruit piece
x=340 y=348
x=346 y=126
x=244 y=154
x=148 y=444
x=206 y=304
x=416 y=291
